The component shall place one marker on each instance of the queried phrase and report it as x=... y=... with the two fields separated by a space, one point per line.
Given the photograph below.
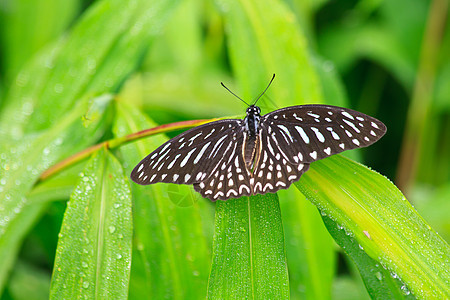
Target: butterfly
x=259 y=154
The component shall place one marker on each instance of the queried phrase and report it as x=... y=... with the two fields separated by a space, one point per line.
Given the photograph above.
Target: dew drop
x=112 y=229
x=378 y=275
x=85 y=284
x=405 y=290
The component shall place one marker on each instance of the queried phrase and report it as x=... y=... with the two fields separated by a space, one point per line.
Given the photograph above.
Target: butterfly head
x=253 y=110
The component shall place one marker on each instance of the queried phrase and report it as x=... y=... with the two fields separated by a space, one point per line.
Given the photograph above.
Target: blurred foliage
x=76 y=73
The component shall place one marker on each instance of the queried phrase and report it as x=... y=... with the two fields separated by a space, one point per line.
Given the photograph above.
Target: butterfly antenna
x=234 y=94
x=260 y=95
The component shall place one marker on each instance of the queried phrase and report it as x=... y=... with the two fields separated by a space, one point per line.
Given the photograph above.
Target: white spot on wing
x=347 y=115
x=231 y=191
x=286 y=131
x=302 y=134
x=164 y=148
x=186 y=177
x=209 y=134
x=173 y=161
x=312 y=115
x=202 y=151
x=318 y=134
x=243 y=186
x=351 y=125
x=267 y=186
x=185 y=160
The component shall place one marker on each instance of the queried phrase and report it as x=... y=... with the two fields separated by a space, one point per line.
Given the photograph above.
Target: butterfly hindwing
x=229 y=178
x=274 y=171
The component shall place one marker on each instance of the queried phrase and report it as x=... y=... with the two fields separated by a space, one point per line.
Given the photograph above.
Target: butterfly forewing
x=311 y=132
x=189 y=157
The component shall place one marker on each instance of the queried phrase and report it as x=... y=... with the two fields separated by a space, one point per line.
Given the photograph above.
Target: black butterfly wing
x=308 y=133
x=189 y=157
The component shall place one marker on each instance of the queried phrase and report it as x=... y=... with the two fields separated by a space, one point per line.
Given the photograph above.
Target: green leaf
x=249 y=260
x=103 y=48
x=93 y=257
x=379 y=282
x=57 y=187
x=375 y=213
x=22 y=31
x=23 y=162
x=40 y=123
x=256 y=54
x=171 y=254
x=309 y=247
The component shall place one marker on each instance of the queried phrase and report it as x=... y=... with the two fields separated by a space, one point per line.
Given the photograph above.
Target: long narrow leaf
x=373 y=211
x=309 y=247
x=23 y=162
x=171 y=255
x=93 y=257
x=99 y=53
x=249 y=260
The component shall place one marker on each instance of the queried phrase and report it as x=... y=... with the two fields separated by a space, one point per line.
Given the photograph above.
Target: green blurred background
x=389 y=59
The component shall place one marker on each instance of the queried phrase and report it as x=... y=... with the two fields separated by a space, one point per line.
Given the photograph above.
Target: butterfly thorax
x=251 y=143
